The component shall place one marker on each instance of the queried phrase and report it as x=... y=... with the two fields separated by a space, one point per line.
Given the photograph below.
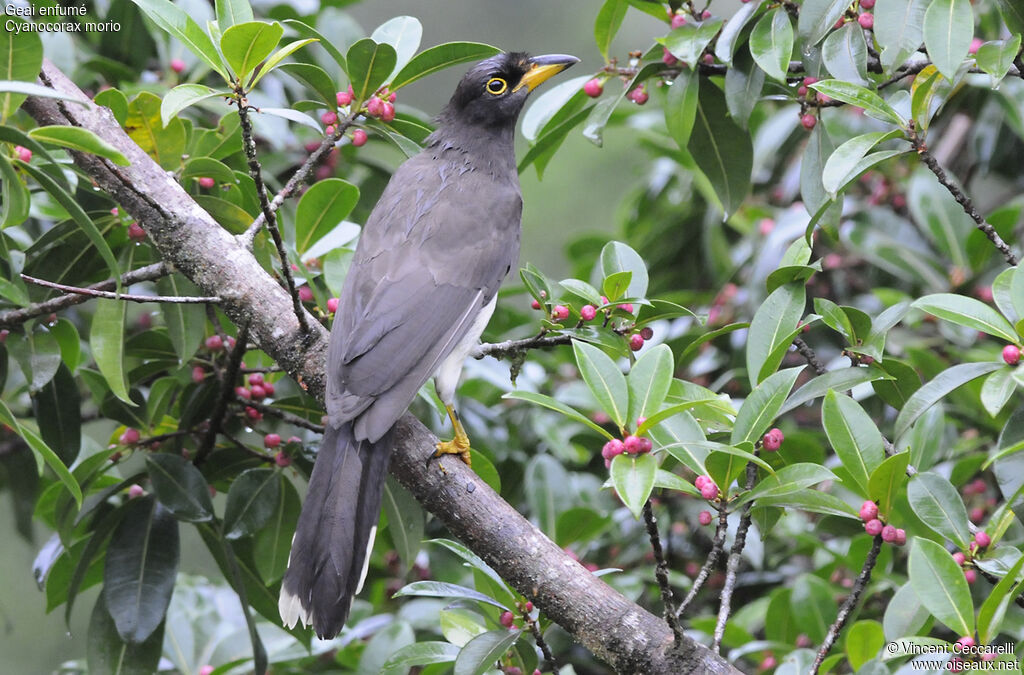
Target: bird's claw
x=457 y=446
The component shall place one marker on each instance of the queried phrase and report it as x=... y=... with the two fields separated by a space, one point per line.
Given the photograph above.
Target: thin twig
x=93 y=293
x=226 y=395
x=283 y=415
x=962 y=199
x=808 y=354
x=849 y=604
x=733 y=564
x=661 y=573
x=16 y=317
x=249 y=144
x=717 y=545
x=514 y=348
x=542 y=644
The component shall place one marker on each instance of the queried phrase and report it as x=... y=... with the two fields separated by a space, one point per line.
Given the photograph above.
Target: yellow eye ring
x=496 y=86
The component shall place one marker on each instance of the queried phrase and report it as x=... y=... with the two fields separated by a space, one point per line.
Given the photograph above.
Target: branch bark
x=617 y=630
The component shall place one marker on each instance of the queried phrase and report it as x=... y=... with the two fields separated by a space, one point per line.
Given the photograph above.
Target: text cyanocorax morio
x=419 y=292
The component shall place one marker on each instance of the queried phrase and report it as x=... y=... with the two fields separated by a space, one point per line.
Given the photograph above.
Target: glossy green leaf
x=164 y=143
x=854 y=436
x=743 y=84
x=141 y=567
x=281 y=54
x=323 y=206
x=1013 y=14
x=69 y=341
x=760 y=409
x=439 y=589
x=38 y=355
x=817 y=17
x=252 y=501
x=609 y=19
x=811 y=501
x=14 y=210
x=840 y=379
x=859 y=96
x=789 y=479
x=58 y=406
x=812 y=606
x=183 y=96
x=471 y=558
x=997 y=390
x=726 y=43
x=771 y=43
x=938 y=504
x=948 y=29
x=633 y=479
x=24 y=52
x=369 y=66
x=864 y=642
x=44 y=451
x=480 y=653
x=886 y=482
x=682 y=437
x=186 y=322
x=812 y=166
x=996 y=57
x=107 y=342
x=77 y=138
x=419 y=654
x=845 y=54
x=580 y=524
x=648 y=381
x=681 y=106
x=108 y=653
x=273 y=543
x=968 y=312
x=940 y=585
x=544 y=481
x=304 y=30
x=568 y=411
x=404 y=34
x=405 y=522
x=721 y=149
x=174 y=20
x=439 y=57
x=605 y=380
x=619 y=257
x=904 y=614
x=231 y=12
x=180 y=487
x=843 y=163
x=245 y=45
x=935 y=390
x=993 y=609
x=772 y=329
x=899 y=29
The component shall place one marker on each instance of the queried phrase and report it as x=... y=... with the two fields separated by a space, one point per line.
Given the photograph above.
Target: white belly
x=446 y=379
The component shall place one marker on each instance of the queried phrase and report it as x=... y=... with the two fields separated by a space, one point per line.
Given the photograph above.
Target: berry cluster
x=589 y=312
x=707 y=487
x=874 y=526
x=630 y=445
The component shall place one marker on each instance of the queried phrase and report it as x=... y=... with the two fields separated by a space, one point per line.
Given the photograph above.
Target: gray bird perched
x=420 y=290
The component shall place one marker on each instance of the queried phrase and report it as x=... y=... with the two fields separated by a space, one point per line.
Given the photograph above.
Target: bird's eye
x=496 y=86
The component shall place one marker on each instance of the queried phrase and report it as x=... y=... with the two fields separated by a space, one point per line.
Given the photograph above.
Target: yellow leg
x=458 y=445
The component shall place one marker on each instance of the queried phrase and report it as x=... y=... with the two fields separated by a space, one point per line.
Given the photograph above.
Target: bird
x=420 y=290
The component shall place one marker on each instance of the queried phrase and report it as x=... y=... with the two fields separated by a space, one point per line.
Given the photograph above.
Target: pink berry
x=255 y=378
x=982 y=539
x=873 y=527
x=387 y=113
x=588 y=312
x=808 y=81
x=959 y=558
x=329 y=117
x=889 y=534
x=633 y=444
x=392 y=97
x=375 y=107
x=114 y=211
x=646 y=445
x=823 y=99
x=305 y=294
x=970 y=575
x=772 y=440
x=801 y=91
x=271 y=441
x=966 y=641
x=343 y=98
x=24 y=154
x=989 y=656
x=135 y=491
x=177 y=65
x=359 y=138
x=136 y=233
x=808 y=121
x=214 y=343
x=329 y=131
x=253 y=414
x=704 y=518
x=1011 y=354
x=803 y=641
x=612 y=448
x=901 y=536
x=765 y=226
x=705 y=15
x=332 y=305
x=206 y=670
x=627 y=307
x=638 y=95
x=593 y=88
x=866 y=20
x=709 y=491
x=646 y=332
x=701 y=481
x=257 y=392
x=636 y=342
x=129 y=437
x=198 y=374
x=678 y=20
x=268 y=389
x=560 y=312
x=206 y=182
x=507 y=619
x=528 y=607
x=535 y=304
x=243 y=392
x=667 y=58
x=867 y=4
x=976 y=44
x=868 y=511
x=769 y=663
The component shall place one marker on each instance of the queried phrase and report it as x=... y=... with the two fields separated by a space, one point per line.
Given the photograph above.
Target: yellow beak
x=543 y=68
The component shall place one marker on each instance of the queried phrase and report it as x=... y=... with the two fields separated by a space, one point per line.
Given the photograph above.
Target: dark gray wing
x=432 y=254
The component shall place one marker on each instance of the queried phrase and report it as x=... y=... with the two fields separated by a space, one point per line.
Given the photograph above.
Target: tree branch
x=661 y=573
x=733 y=564
x=93 y=293
x=617 y=630
x=717 y=545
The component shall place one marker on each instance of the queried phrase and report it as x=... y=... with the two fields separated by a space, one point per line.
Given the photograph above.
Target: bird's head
x=493 y=92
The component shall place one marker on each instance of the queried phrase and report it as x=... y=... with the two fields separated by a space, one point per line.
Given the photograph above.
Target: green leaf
x=843 y=163
x=813 y=501
x=439 y=589
x=760 y=409
x=107 y=653
x=404 y=34
x=605 y=380
x=609 y=18
x=316 y=78
x=69 y=341
x=141 y=567
x=58 y=405
x=245 y=45
x=899 y=29
x=648 y=381
x=932 y=392
x=419 y=654
x=726 y=41
x=854 y=436
x=619 y=257
x=107 y=342
x=186 y=322
x=180 y=487
x=165 y=144
x=996 y=57
x=252 y=501
x=442 y=56
x=789 y=479
x=688 y=42
x=14 y=210
x=471 y=558
x=43 y=450
x=369 y=66
x=681 y=106
x=231 y=12
x=993 y=609
x=968 y=312
x=948 y=28
x=938 y=504
x=721 y=149
x=183 y=96
x=281 y=54
x=940 y=585
x=568 y=411
x=863 y=643
x=743 y=84
x=480 y=653
x=682 y=437
x=840 y=379
x=616 y=285
x=845 y=54
x=273 y=543
x=771 y=43
x=405 y=522
x=24 y=60
x=817 y=17
x=77 y=138
x=583 y=290
x=887 y=481
x=772 y=330
x=812 y=166
x=633 y=479
x=812 y=606
x=853 y=94
x=904 y=614
x=323 y=206
x=581 y=524
x=174 y=20
x=997 y=390
x=306 y=31
x=1013 y=15
x=38 y=355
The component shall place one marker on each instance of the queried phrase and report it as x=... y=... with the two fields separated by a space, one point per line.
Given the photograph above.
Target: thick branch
x=628 y=637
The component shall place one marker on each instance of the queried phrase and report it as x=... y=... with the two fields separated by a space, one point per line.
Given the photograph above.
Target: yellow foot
x=458 y=445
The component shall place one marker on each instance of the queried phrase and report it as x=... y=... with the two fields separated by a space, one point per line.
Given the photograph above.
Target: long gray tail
x=332 y=543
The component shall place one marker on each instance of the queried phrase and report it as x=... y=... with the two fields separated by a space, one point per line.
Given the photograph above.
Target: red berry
x=206 y=670
x=305 y=294
x=257 y=392
x=135 y=491
x=528 y=607
x=678 y=20
x=646 y=445
x=982 y=539
x=801 y=91
x=593 y=88
x=708 y=58
x=636 y=342
x=343 y=98
x=701 y=481
x=889 y=534
x=507 y=619
x=359 y=138
x=177 y=65
x=627 y=307
x=612 y=448
x=970 y=575
x=129 y=437
x=638 y=95
x=271 y=441
x=206 y=182
x=959 y=558
x=560 y=312
x=868 y=511
x=901 y=536
x=535 y=304
x=873 y=527
x=646 y=332
x=24 y=154
x=588 y=312
x=633 y=444
x=966 y=641
x=989 y=656
x=329 y=117
x=768 y=662
x=329 y=131
x=375 y=107
x=867 y=4
x=866 y=20
x=198 y=374
x=803 y=641
x=976 y=44
x=256 y=379
x=253 y=414
x=387 y=112
x=977 y=514
x=214 y=343
x=705 y=15
x=1011 y=354
x=710 y=490
x=268 y=389
x=392 y=97
x=704 y=518
x=667 y=58
x=136 y=233
x=808 y=121
x=772 y=440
